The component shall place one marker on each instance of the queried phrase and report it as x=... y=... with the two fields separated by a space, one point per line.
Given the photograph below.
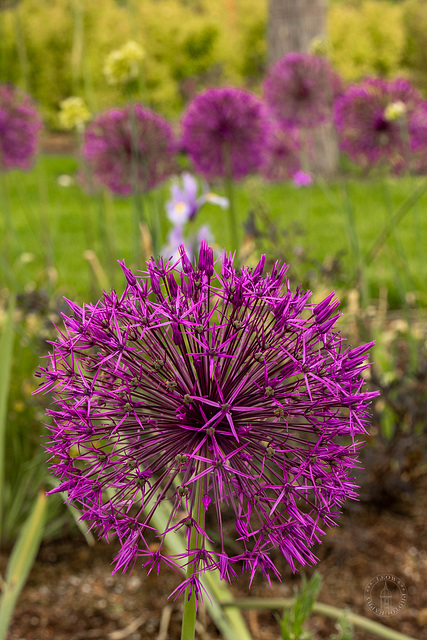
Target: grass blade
x=21 y=561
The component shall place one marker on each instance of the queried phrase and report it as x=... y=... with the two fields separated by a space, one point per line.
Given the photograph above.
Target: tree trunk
x=292 y=26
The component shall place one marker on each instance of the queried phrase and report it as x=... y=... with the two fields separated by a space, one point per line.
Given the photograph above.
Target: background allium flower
x=73 y=113
x=301 y=89
x=118 y=138
x=282 y=157
x=225 y=132
x=19 y=125
x=366 y=134
x=122 y=65
x=418 y=138
x=224 y=396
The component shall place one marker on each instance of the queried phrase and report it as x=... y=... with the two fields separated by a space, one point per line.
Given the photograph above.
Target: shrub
x=361 y=35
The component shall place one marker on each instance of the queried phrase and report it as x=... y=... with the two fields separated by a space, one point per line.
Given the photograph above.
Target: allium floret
x=301 y=89
x=19 y=126
x=217 y=393
x=225 y=132
x=130 y=150
x=367 y=132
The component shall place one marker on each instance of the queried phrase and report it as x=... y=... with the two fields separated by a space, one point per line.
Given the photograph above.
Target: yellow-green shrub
x=415 y=52
x=201 y=40
x=367 y=38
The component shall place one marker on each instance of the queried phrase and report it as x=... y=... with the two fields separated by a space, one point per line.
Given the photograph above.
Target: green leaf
x=292 y=624
x=6 y=348
x=344 y=627
x=20 y=562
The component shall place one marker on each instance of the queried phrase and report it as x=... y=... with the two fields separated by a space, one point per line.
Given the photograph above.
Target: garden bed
x=71 y=594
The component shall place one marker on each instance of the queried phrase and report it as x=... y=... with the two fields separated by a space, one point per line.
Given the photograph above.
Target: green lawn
x=55 y=225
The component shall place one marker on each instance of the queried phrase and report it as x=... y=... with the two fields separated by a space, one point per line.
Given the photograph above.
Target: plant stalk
x=323 y=609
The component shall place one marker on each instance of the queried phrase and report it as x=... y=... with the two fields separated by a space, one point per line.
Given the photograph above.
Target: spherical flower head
x=73 y=113
x=366 y=131
x=122 y=65
x=19 y=126
x=394 y=111
x=301 y=89
x=225 y=132
x=282 y=157
x=130 y=149
x=417 y=127
x=203 y=387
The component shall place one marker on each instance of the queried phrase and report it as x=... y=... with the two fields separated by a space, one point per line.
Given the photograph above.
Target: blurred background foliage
x=56 y=48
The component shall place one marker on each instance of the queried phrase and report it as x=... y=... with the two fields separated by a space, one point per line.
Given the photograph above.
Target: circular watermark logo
x=386 y=594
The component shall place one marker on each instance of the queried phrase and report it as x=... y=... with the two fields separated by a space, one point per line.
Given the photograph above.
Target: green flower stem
x=229 y=188
x=393 y=220
x=190 y=609
x=354 y=241
x=323 y=609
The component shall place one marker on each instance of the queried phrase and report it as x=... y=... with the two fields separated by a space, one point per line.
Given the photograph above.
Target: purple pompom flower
x=130 y=149
x=301 y=89
x=219 y=394
x=225 y=133
x=418 y=138
x=19 y=125
x=366 y=132
x=282 y=158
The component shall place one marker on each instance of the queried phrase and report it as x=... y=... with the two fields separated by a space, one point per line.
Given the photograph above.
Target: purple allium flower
x=130 y=149
x=365 y=133
x=225 y=132
x=418 y=138
x=220 y=394
x=302 y=179
x=301 y=89
x=19 y=125
x=282 y=158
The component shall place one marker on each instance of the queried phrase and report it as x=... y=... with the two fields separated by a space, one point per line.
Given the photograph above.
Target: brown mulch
x=71 y=594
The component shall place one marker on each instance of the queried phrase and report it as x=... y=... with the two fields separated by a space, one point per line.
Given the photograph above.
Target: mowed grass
x=54 y=226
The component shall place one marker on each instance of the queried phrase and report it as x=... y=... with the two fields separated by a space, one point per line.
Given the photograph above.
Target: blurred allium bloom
x=225 y=132
x=73 y=113
x=302 y=179
x=185 y=203
x=282 y=157
x=418 y=138
x=301 y=89
x=365 y=129
x=122 y=65
x=221 y=395
x=19 y=126
x=130 y=149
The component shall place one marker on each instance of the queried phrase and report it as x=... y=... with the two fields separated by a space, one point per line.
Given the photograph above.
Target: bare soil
x=72 y=595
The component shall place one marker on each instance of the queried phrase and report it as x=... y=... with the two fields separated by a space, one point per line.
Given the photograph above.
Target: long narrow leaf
x=6 y=348
x=21 y=561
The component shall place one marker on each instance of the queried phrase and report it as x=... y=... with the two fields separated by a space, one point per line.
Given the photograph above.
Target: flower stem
x=229 y=187
x=232 y=214
x=190 y=606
